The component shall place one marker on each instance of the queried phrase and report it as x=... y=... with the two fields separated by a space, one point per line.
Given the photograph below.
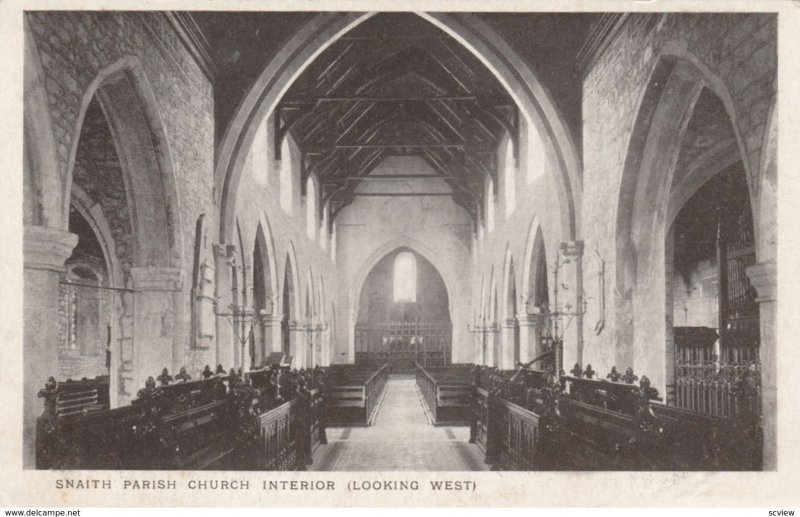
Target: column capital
x=572 y=248
x=528 y=320
x=156 y=278
x=47 y=248
x=764 y=278
x=271 y=320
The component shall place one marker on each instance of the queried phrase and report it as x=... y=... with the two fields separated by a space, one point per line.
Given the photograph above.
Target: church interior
x=399 y=241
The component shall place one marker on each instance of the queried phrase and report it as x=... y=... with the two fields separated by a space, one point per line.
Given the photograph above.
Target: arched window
x=286 y=176
x=333 y=243
x=489 y=197
x=311 y=208
x=323 y=228
x=536 y=154
x=405 y=278
x=510 y=178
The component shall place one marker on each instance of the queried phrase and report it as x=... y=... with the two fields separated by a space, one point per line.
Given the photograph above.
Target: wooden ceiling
x=396 y=85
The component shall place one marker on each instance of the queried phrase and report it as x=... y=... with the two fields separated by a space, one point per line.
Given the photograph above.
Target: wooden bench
x=75 y=397
x=352 y=394
x=447 y=393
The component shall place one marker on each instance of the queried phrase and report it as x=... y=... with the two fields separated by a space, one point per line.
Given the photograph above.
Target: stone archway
x=123 y=94
x=267 y=334
x=664 y=113
x=509 y=325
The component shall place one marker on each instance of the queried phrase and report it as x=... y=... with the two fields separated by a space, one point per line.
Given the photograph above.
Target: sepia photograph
x=396 y=242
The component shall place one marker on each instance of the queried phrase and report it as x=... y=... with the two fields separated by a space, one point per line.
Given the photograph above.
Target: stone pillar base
x=44 y=250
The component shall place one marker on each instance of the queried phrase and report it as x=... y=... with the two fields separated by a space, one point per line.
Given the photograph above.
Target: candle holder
x=242 y=319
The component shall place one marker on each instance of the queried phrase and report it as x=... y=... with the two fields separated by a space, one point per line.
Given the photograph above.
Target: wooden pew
x=76 y=397
x=574 y=423
x=447 y=393
x=181 y=426
x=352 y=394
x=285 y=421
x=513 y=436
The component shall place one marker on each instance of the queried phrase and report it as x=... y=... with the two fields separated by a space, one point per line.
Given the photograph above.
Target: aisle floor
x=402 y=438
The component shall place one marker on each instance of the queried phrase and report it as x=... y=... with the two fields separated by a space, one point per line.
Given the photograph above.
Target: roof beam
x=357 y=98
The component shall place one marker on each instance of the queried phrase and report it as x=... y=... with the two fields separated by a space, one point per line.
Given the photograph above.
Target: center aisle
x=401 y=439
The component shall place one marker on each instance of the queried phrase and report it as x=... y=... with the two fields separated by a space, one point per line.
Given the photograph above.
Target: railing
x=427 y=387
x=706 y=377
x=375 y=387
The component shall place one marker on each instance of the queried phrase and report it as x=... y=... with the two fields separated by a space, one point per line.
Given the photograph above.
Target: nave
x=402 y=438
x=572 y=244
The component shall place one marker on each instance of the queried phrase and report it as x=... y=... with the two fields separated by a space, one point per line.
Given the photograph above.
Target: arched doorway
x=403 y=314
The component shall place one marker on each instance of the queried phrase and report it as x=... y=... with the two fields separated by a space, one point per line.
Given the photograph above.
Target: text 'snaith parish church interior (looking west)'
x=399 y=241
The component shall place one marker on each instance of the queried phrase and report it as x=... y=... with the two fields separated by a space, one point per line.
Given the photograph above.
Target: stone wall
x=537 y=208
x=736 y=56
x=78 y=50
x=76 y=46
x=435 y=227
x=258 y=202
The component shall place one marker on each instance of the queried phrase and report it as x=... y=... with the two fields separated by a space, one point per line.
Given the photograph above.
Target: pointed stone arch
x=665 y=109
x=366 y=267
x=533 y=100
x=44 y=192
x=509 y=325
x=129 y=104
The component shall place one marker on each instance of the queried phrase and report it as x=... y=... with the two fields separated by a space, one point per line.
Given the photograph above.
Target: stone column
x=764 y=278
x=225 y=337
x=492 y=342
x=570 y=300
x=272 y=327
x=297 y=342
x=44 y=252
x=324 y=343
x=528 y=337
x=155 y=344
x=507 y=330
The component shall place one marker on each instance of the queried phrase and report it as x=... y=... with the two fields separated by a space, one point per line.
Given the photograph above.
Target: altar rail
x=221 y=422
x=525 y=422
x=352 y=394
x=447 y=392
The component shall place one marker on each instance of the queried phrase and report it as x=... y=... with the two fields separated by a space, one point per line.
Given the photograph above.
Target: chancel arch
x=442 y=268
x=403 y=313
